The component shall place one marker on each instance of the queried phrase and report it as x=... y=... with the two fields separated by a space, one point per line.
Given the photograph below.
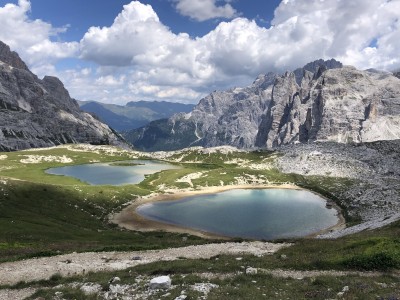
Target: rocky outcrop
x=11 y=58
x=342 y=105
x=41 y=113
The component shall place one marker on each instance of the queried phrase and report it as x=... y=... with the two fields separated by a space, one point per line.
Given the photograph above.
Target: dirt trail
x=80 y=263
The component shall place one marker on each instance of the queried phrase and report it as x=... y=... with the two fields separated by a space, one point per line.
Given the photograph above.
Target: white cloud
x=32 y=38
x=110 y=80
x=201 y=10
x=138 y=57
x=239 y=50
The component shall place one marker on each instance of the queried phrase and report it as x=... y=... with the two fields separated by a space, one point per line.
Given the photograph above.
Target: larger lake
x=117 y=173
x=247 y=213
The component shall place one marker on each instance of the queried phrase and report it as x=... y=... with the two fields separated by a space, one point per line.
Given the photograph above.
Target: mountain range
x=133 y=114
x=322 y=101
x=40 y=112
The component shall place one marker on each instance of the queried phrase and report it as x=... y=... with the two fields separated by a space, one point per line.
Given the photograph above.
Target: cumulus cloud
x=202 y=10
x=139 y=57
x=32 y=38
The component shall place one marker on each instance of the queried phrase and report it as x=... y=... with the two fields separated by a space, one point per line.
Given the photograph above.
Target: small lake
x=247 y=213
x=115 y=173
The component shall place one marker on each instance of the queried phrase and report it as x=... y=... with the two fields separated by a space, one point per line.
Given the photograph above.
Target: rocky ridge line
x=40 y=113
x=323 y=101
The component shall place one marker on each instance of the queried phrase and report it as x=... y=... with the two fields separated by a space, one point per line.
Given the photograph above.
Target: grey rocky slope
x=370 y=173
x=321 y=101
x=221 y=118
x=341 y=105
x=40 y=113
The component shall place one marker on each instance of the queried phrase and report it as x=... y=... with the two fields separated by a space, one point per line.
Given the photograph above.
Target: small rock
x=161 y=282
x=90 y=288
x=251 y=271
x=345 y=289
x=115 y=279
x=118 y=289
x=136 y=258
x=239 y=258
x=383 y=285
x=283 y=256
x=181 y=297
x=340 y=294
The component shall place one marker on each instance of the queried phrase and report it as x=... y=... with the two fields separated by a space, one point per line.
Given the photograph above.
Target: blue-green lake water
x=107 y=173
x=247 y=213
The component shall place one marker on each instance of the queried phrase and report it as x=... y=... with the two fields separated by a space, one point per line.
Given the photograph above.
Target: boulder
x=160 y=283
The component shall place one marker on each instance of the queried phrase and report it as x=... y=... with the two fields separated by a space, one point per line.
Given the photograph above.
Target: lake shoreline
x=129 y=219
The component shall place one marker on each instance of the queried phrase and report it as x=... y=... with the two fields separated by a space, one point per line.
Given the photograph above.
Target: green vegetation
x=43 y=215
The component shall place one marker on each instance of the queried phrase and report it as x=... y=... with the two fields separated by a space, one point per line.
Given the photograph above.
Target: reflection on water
x=108 y=173
x=249 y=213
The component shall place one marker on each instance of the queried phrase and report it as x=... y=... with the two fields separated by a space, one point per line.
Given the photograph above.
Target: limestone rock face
x=40 y=113
x=234 y=117
x=11 y=58
x=323 y=101
x=222 y=118
x=342 y=105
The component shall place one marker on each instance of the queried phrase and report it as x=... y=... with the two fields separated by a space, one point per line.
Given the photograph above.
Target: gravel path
x=16 y=294
x=79 y=263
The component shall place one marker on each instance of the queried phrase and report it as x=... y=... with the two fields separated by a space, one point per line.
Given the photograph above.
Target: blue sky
x=117 y=51
x=81 y=15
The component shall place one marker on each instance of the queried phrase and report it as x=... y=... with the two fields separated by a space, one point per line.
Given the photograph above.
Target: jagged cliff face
x=342 y=105
x=221 y=118
x=40 y=113
x=321 y=101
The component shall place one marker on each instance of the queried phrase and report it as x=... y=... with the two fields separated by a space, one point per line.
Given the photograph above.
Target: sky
x=116 y=51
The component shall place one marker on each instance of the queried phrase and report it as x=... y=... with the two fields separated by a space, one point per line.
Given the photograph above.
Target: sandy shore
x=128 y=218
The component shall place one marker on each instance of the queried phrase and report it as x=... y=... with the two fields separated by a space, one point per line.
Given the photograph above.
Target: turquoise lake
x=107 y=173
x=247 y=213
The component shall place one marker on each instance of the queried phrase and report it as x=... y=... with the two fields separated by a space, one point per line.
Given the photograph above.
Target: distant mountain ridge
x=324 y=100
x=133 y=114
x=40 y=113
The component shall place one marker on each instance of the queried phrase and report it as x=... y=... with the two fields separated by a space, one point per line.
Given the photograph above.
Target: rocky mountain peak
x=41 y=113
x=11 y=58
x=323 y=101
x=316 y=67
